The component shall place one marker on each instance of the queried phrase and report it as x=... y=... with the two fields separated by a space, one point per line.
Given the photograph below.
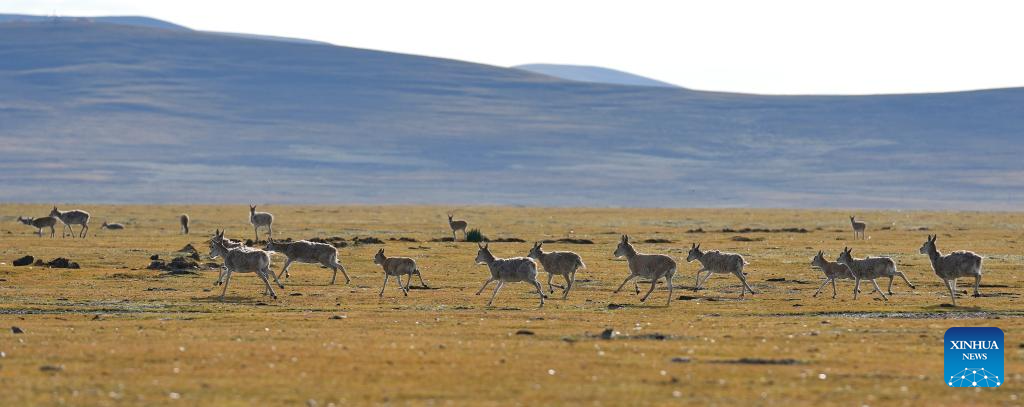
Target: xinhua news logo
x=974 y=357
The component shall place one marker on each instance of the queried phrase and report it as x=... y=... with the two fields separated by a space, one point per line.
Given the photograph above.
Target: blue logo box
x=974 y=357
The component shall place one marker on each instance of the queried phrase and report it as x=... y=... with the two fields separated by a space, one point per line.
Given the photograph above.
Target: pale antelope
x=111 y=226
x=716 y=262
x=303 y=251
x=508 y=271
x=72 y=217
x=871 y=268
x=564 y=264
x=263 y=219
x=952 y=266
x=650 y=266
x=397 y=267
x=243 y=260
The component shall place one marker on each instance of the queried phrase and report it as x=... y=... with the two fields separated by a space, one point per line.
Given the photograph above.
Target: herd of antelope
x=239 y=258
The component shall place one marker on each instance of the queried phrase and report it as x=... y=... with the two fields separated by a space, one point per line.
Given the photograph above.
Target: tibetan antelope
x=258 y=219
x=184 y=223
x=564 y=264
x=303 y=251
x=40 y=223
x=457 y=225
x=397 y=267
x=858 y=228
x=952 y=266
x=833 y=271
x=649 y=266
x=111 y=226
x=242 y=260
x=716 y=262
x=509 y=270
x=871 y=268
x=72 y=217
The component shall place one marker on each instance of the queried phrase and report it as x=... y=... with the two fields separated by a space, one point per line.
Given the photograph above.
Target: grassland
x=114 y=333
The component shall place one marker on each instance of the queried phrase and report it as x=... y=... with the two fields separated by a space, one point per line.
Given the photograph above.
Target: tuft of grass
x=475 y=235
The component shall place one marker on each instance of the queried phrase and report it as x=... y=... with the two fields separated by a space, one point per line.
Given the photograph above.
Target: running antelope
x=564 y=264
x=833 y=271
x=258 y=219
x=871 y=268
x=952 y=266
x=40 y=223
x=72 y=217
x=242 y=260
x=457 y=225
x=716 y=262
x=303 y=251
x=858 y=228
x=397 y=267
x=509 y=270
x=649 y=266
x=184 y=223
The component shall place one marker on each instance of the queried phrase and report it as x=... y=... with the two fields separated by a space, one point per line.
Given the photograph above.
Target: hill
x=121 y=113
x=596 y=74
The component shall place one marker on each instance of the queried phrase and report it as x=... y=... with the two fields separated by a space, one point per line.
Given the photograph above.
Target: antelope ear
x=486 y=245
x=479 y=245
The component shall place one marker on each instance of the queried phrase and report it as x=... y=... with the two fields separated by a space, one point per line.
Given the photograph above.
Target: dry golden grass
x=126 y=335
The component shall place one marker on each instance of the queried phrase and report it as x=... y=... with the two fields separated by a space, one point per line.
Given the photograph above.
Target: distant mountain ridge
x=595 y=74
x=137 y=21
x=98 y=112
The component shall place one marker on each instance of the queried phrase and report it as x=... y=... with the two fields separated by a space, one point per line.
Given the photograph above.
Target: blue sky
x=783 y=47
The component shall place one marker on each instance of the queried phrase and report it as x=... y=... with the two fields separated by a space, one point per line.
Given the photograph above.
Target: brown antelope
x=40 y=223
x=456 y=225
x=833 y=271
x=858 y=228
x=184 y=223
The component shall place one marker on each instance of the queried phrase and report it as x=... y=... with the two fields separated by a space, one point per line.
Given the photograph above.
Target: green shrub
x=475 y=235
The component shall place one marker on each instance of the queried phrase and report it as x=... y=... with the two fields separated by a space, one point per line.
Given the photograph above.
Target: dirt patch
x=746 y=239
x=657 y=241
x=366 y=240
x=568 y=240
x=403 y=239
x=908 y=315
x=506 y=240
x=24 y=261
x=58 y=263
x=760 y=361
x=177 y=265
x=336 y=241
x=751 y=230
x=443 y=239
